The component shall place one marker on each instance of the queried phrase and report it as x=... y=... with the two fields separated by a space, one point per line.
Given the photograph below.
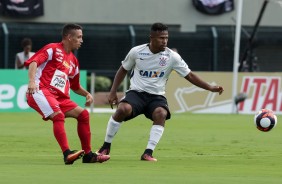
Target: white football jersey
x=150 y=71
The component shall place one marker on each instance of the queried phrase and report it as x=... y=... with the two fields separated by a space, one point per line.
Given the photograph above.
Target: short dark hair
x=25 y=42
x=159 y=27
x=69 y=27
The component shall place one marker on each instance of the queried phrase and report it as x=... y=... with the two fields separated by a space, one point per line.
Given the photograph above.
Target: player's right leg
x=129 y=107
x=123 y=111
x=158 y=111
x=71 y=156
x=46 y=104
x=112 y=128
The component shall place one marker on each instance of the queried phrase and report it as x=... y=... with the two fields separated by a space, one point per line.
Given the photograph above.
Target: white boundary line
x=102 y=110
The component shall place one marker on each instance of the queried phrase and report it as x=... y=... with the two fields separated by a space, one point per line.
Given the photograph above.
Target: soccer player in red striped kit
x=53 y=71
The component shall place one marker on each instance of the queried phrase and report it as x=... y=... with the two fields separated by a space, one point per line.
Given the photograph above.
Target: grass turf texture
x=195 y=148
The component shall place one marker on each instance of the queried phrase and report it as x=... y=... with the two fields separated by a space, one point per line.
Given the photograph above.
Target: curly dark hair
x=159 y=27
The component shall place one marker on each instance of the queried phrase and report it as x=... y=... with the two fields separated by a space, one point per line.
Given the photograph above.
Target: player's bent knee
x=160 y=113
x=83 y=116
x=59 y=117
x=125 y=109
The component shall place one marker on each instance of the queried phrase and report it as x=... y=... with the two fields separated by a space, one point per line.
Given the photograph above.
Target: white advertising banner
x=262 y=90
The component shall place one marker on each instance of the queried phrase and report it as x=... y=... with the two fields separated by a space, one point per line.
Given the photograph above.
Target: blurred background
x=203 y=37
x=202 y=31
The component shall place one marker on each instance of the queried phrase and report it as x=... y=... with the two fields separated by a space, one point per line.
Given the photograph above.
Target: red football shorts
x=47 y=103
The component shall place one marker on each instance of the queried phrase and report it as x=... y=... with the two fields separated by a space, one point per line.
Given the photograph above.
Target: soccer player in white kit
x=53 y=71
x=150 y=65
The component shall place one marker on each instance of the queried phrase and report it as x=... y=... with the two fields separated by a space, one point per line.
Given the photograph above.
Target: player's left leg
x=158 y=112
x=123 y=111
x=83 y=130
x=84 y=133
x=83 y=126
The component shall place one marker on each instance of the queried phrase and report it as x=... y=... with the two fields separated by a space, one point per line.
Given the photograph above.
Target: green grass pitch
x=195 y=148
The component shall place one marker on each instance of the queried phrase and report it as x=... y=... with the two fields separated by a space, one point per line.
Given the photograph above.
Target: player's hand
x=89 y=99
x=31 y=88
x=113 y=99
x=218 y=89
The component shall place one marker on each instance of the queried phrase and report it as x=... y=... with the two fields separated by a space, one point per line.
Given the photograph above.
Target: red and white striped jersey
x=57 y=70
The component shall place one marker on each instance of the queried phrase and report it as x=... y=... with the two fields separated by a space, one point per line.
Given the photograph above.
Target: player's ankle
x=148 y=151
x=107 y=145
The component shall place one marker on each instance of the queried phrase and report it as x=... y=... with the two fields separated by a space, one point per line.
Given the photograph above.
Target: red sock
x=59 y=131
x=83 y=130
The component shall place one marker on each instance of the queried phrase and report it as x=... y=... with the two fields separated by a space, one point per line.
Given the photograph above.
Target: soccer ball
x=265 y=120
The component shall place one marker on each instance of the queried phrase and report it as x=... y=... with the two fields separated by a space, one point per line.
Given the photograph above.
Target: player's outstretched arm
x=196 y=80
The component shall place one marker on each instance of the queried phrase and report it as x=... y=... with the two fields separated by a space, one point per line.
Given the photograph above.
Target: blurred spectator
x=21 y=57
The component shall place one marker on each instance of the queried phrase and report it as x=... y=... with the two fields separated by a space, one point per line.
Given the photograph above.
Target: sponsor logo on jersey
x=144 y=54
x=66 y=64
x=59 y=80
x=164 y=54
x=151 y=74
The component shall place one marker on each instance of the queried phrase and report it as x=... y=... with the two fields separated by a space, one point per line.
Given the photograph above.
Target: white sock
x=112 y=129
x=155 y=135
